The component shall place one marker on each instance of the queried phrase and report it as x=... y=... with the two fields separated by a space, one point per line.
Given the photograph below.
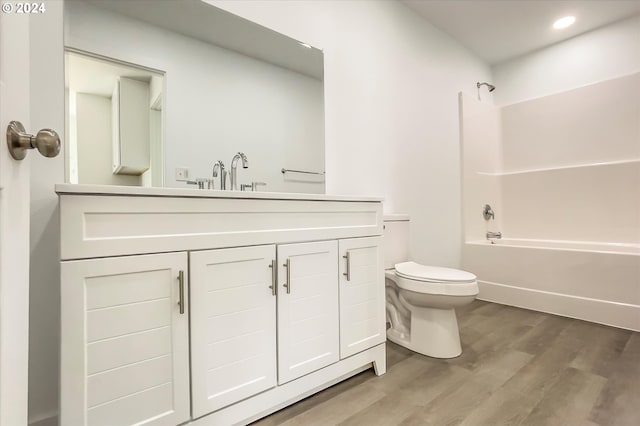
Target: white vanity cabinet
x=362 y=295
x=265 y=311
x=124 y=341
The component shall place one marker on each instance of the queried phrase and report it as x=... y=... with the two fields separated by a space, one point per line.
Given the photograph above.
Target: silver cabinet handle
x=348 y=273
x=19 y=141
x=181 y=291
x=288 y=283
x=274 y=284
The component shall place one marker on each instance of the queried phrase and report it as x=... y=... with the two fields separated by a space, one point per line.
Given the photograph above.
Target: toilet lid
x=418 y=272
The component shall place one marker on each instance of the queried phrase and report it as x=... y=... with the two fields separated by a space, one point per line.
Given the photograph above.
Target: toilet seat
x=412 y=276
x=433 y=274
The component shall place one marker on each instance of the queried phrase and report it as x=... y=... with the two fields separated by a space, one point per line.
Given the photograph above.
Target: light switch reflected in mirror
x=228 y=85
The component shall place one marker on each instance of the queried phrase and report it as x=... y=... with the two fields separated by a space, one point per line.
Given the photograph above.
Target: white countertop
x=81 y=189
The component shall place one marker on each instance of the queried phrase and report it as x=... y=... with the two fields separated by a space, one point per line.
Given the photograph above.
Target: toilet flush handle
x=348 y=273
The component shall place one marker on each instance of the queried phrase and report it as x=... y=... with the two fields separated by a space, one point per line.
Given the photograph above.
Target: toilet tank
x=396 y=239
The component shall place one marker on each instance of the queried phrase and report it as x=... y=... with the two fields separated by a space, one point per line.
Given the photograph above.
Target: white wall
x=609 y=52
x=217 y=102
x=94 y=142
x=391 y=85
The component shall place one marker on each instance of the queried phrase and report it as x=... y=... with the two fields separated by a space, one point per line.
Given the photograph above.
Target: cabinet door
x=307 y=308
x=362 y=295
x=124 y=341
x=233 y=325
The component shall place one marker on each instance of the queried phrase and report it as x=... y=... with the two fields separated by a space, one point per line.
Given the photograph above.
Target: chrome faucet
x=218 y=169
x=234 y=166
x=494 y=235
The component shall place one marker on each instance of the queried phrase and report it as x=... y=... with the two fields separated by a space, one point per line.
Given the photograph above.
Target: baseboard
x=46 y=421
x=621 y=315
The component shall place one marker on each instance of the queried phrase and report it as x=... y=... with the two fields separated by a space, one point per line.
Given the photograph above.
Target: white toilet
x=421 y=300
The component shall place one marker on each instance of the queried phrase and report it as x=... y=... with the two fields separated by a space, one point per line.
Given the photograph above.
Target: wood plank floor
x=518 y=367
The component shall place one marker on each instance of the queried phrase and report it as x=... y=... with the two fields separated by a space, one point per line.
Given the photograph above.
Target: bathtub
x=598 y=282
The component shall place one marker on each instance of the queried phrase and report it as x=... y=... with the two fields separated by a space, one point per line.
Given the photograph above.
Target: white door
x=124 y=341
x=233 y=325
x=362 y=295
x=307 y=308
x=14 y=226
x=21 y=77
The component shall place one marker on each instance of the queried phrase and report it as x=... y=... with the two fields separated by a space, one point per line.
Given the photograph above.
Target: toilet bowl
x=421 y=300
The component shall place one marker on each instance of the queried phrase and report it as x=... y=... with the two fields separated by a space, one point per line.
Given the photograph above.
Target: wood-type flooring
x=518 y=367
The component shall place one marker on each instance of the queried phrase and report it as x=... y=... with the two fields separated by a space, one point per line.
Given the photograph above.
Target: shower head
x=491 y=87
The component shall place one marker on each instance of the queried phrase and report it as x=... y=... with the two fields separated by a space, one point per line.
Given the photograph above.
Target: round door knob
x=46 y=141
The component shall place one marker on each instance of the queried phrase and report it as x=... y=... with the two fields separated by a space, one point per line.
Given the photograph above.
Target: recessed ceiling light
x=564 y=22
x=305 y=45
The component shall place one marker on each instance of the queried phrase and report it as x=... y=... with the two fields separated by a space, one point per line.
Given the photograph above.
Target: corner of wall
x=598 y=55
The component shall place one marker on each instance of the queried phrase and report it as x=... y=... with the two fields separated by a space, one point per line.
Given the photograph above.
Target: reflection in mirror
x=114 y=124
x=228 y=86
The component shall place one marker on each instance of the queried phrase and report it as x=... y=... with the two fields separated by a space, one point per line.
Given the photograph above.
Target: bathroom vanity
x=213 y=307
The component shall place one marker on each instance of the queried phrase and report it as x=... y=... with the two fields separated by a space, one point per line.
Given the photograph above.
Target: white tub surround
x=169 y=301
x=588 y=281
x=562 y=173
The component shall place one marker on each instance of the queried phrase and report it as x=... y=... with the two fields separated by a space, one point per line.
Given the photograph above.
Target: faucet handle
x=199 y=181
x=255 y=185
x=487 y=212
x=245 y=186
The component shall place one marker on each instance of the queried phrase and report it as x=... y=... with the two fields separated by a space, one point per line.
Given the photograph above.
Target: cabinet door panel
x=125 y=350
x=110 y=385
x=136 y=317
x=362 y=297
x=134 y=409
x=307 y=315
x=233 y=320
x=124 y=341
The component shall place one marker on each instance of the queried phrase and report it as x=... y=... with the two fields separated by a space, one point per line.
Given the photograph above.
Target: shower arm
x=491 y=87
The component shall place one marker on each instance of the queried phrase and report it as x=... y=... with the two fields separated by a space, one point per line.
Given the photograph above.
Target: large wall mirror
x=157 y=95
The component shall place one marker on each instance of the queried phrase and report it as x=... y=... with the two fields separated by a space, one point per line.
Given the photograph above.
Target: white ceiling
x=498 y=30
